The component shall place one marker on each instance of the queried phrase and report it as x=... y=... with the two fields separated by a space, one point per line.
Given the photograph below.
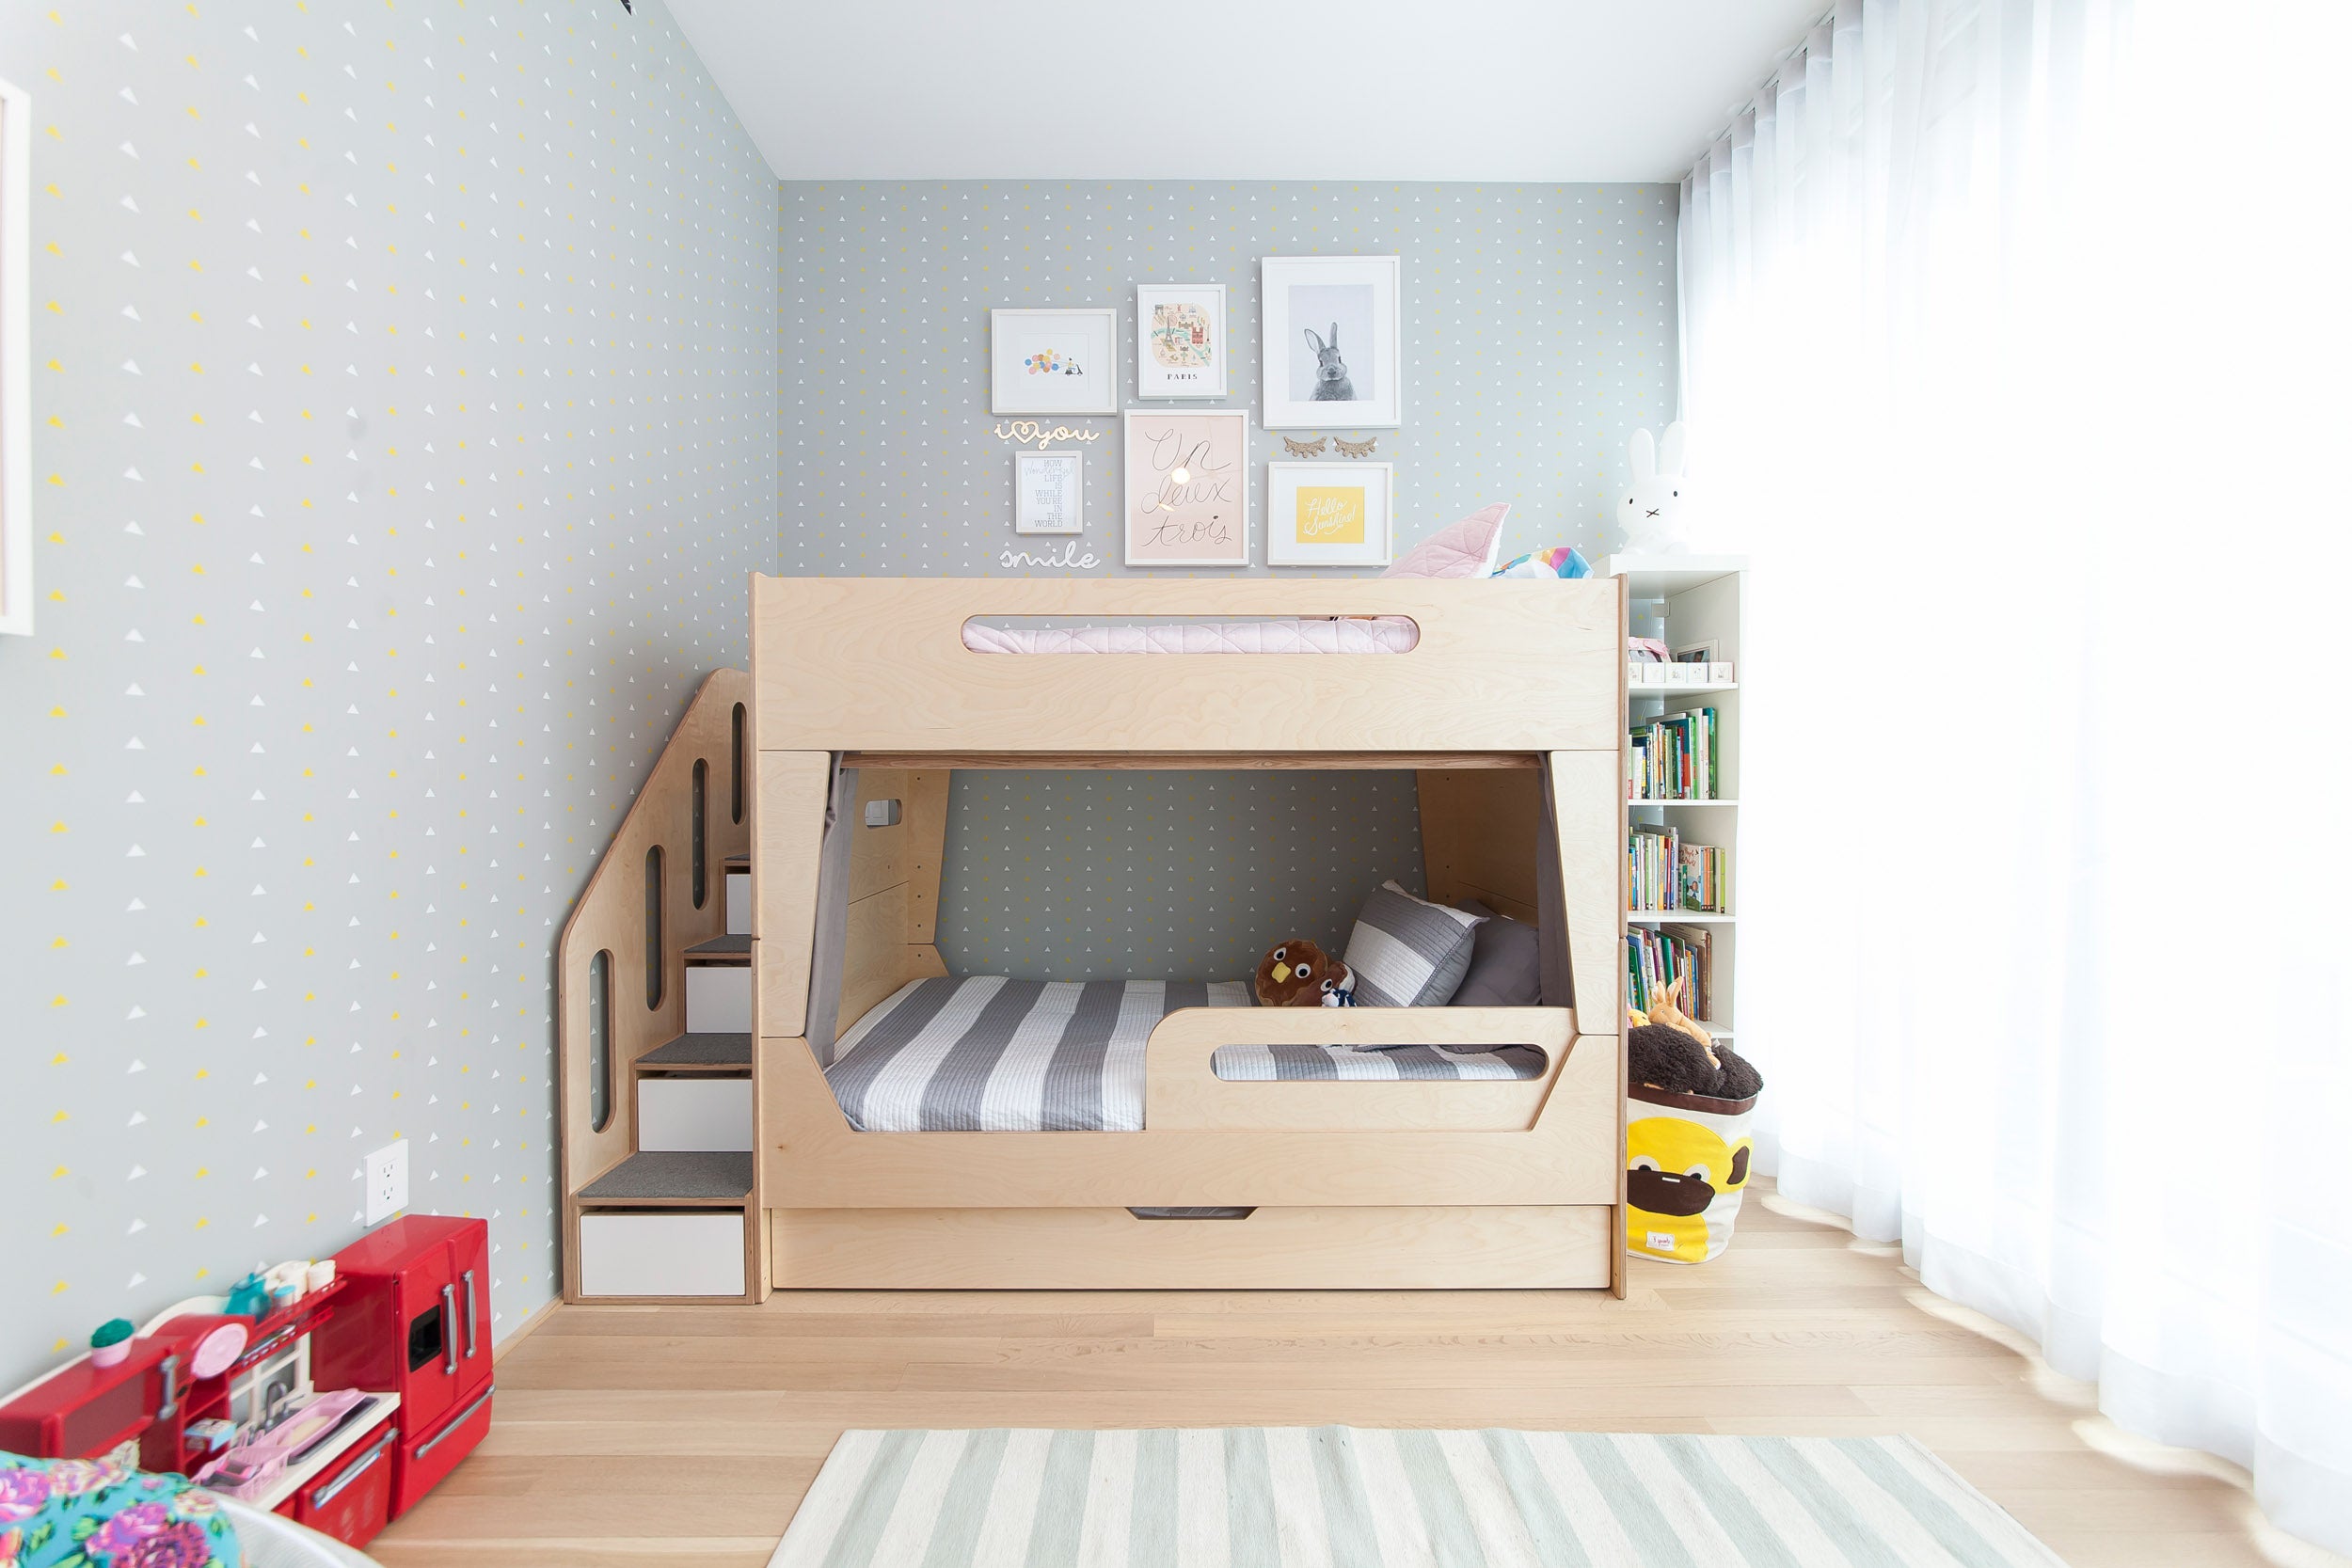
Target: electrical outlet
x=387 y=1181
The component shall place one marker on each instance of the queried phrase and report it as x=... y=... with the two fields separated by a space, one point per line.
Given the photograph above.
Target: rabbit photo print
x=1332 y=352
x=1319 y=371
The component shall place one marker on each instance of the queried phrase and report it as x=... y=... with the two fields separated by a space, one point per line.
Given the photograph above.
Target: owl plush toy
x=1297 y=974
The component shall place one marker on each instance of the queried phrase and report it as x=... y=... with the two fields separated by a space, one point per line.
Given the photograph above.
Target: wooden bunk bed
x=707 y=1157
x=1508 y=708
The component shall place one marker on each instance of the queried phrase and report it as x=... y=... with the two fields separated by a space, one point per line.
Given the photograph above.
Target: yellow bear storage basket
x=1686 y=1158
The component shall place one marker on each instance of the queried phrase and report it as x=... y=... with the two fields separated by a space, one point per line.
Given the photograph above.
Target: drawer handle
x=325 y=1494
x=461 y=1420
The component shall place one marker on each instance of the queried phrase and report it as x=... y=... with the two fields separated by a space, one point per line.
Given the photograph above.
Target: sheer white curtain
x=2015 y=350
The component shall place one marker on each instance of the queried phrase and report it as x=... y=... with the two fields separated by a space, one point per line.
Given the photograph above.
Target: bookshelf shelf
x=1669 y=576
x=1694 y=604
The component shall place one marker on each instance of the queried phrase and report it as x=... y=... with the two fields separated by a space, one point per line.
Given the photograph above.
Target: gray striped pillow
x=1406 y=952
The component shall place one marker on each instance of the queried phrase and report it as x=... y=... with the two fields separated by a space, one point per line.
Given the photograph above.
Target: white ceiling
x=1238 y=89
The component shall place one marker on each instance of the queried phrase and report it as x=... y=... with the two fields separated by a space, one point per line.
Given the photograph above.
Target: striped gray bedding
x=982 y=1054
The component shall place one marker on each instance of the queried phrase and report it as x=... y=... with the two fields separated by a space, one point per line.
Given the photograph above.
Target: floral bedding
x=94 y=1513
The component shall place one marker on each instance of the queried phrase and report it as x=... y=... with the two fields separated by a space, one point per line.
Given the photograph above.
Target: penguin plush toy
x=1298 y=974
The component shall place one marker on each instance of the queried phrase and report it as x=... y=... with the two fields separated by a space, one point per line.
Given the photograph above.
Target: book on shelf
x=1657 y=957
x=1663 y=873
x=1706 y=878
x=1675 y=757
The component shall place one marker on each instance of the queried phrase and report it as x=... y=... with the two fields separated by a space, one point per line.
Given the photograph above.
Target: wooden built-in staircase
x=654 y=1032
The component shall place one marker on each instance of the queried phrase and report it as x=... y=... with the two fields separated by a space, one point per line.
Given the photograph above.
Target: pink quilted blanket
x=1386 y=635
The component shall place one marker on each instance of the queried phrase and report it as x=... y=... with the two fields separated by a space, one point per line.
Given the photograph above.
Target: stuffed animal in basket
x=1666 y=1049
x=1687 y=1152
x=1298 y=974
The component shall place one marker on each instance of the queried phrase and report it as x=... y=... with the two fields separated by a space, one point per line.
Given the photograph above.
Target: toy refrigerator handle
x=171 y=1405
x=467 y=1277
x=449 y=1328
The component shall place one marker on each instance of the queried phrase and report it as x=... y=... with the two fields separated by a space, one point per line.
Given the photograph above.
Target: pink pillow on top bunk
x=1465 y=549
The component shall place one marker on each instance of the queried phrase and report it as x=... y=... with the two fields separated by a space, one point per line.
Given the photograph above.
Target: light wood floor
x=685 y=1435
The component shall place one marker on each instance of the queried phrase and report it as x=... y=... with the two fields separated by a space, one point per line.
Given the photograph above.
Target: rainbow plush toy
x=1560 y=561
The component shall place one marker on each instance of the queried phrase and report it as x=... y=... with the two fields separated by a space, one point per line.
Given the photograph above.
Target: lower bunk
x=980 y=1133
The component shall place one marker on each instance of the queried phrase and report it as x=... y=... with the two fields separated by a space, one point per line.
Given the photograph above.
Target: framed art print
x=1049 y=492
x=1053 y=361
x=1333 y=342
x=1329 y=514
x=1187 y=487
x=1179 y=341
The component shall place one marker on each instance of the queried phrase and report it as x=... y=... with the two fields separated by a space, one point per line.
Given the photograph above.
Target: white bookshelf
x=1683 y=600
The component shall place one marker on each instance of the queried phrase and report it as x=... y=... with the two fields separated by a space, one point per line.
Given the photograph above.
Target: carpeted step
x=701 y=1176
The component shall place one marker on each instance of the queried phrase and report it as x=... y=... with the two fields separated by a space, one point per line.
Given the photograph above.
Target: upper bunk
x=1499 y=673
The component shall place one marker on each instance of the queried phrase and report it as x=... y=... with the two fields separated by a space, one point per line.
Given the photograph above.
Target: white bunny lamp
x=1650 y=508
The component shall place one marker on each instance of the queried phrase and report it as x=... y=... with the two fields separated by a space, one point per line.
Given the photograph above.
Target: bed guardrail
x=871 y=664
x=1183 y=1092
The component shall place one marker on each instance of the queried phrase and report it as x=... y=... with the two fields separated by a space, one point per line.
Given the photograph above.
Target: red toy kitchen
x=337 y=1397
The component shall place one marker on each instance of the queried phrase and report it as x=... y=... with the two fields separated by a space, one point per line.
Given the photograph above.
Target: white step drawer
x=677 y=1254
x=739 y=903
x=693 y=1114
x=718 y=1000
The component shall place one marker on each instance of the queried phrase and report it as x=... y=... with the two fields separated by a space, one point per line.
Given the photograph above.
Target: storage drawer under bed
x=1525 y=1246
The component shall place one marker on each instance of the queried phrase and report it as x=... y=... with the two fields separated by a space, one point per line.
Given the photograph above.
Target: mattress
x=1392 y=634
x=982 y=1054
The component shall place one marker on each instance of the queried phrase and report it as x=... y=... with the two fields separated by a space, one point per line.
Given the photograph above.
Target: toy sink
x=304 y=1429
x=253 y=1463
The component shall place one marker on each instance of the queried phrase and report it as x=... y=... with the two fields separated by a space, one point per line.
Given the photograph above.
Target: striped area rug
x=1362 y=1498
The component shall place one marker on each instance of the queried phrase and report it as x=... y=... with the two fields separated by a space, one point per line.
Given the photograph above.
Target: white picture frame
x=1185 y=487
x=1358 y=302
x=1054 y=361
x=1353 y=505
x=1181 y=347
x=16 y=361
x=1049 y=492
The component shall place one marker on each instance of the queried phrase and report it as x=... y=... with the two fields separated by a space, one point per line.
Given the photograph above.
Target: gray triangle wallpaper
x=404 y=428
